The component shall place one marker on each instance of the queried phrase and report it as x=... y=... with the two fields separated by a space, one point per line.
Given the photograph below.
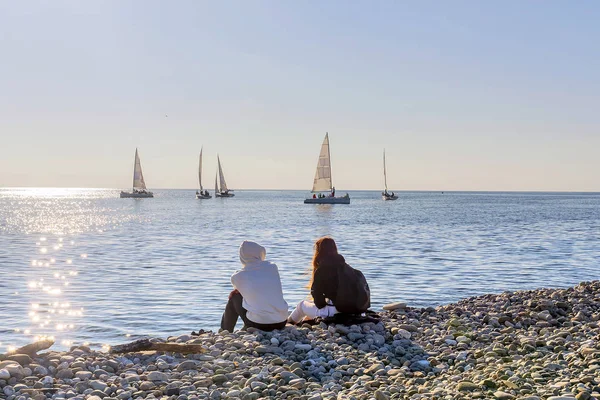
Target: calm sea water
x=85 y=266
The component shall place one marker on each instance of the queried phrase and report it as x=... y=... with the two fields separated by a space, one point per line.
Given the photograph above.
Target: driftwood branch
x=146 y=344
x=30 y=349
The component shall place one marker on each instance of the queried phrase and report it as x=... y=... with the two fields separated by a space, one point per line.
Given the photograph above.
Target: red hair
x=325 y=247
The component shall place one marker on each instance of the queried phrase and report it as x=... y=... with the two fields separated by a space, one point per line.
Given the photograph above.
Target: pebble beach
x=538 y=344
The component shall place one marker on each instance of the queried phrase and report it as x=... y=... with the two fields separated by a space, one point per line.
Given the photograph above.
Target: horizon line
x=337 y=190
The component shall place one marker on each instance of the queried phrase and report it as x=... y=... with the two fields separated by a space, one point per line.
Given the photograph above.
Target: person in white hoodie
x=257 y=297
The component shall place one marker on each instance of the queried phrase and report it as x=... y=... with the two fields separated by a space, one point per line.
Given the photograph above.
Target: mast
x=329 y=158
x=384 y=171
x=200 y=170
x=135 y=163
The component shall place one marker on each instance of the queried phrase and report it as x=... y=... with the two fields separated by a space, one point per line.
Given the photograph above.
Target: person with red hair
x=329 y=298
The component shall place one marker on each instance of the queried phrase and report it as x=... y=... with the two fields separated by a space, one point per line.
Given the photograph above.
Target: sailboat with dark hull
x=322 y=182
x=202 y=194
x=385 y=195
x=139 y=185
x=221 y=189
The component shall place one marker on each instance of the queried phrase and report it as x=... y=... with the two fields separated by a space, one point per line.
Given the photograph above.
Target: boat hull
x=202 y=197
x=389 y=197
x=131 y=195
x=328 y=200
x=224 y=195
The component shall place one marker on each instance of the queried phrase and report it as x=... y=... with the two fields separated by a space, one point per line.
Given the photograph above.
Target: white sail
x=216 y=185
x=221 y=177
x=322 y=181
x=200 y=170
x=138 y=176
x=384 y=172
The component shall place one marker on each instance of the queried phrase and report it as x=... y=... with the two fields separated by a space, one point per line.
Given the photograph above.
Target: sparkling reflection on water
x=83 y=266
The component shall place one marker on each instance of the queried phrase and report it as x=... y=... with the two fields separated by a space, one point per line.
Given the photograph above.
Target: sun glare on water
x=50 y=312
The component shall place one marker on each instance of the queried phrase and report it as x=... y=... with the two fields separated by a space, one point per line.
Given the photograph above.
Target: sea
x=83 y=266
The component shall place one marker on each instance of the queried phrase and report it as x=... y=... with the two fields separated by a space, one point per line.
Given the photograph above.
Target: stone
x=97 y=385
x=404 y=333
x=394 y=306
x=380 y=395
x=258 y=386
x=4 y=374
x=172 y=389
x=503 y=395
x=342 y=329
x=354 y=336
x=40 y=370
x=15 y=370
x=379 y=340
x=4 y=364
x=124 y=395
x=158 y=376
x=186 y=366
x=219 y=379
x=408 y=327
x=22 y=359
x=206 y=382
x=488 y=383
x=147 y=385
x=83 y=375
x=467 y=386
x=66 y=373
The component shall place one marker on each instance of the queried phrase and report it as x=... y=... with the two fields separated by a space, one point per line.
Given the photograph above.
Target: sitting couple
x=258 y=300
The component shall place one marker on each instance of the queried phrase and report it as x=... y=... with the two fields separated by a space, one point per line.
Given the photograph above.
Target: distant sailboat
x=323 y=182
x=223 y=191
x=385 y=194
x=139 y=185
x=202 y=194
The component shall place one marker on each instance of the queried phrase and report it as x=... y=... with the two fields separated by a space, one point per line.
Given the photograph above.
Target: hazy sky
x=464 y=95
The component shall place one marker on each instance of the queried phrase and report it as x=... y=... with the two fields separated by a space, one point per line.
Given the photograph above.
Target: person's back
x=260 y=285
x=258 y=295
x=329 y=272
x=325 y=280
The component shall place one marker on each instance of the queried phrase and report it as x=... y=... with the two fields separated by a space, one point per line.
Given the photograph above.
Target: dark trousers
x=234 y=309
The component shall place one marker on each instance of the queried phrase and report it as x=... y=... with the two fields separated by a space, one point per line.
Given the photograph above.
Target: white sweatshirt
x=260 y=286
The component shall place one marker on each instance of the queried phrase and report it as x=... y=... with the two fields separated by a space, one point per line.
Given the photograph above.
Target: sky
x=463 y=95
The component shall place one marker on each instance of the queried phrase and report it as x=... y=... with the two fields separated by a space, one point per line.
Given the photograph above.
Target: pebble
x=98 y=385
x=525 y=345
x=503 y=395
x=394 y=306
x=186 y=366
x=302 y=346
x=158 y=376
x=22 y=359
x=66 y=373
x=83 y=375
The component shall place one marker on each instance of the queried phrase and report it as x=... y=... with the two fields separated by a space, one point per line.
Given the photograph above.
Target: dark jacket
x=325 y=282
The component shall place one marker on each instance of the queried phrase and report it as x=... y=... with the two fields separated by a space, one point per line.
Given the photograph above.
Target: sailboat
x=202 y=194
x=139 y=186
x=223 y=191
x=385 y=194
x=323 y=182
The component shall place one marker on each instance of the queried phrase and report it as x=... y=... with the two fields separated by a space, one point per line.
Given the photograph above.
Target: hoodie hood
x=251 y=253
